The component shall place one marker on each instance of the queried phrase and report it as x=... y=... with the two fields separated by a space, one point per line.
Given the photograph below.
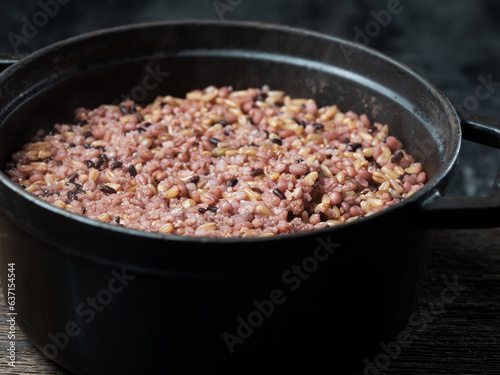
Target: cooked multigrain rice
x=219 y=163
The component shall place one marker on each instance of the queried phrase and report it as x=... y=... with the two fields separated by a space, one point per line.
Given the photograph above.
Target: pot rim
x=447 y=169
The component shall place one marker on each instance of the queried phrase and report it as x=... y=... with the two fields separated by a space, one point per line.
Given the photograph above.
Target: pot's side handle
x=480 y=129
x=474 y=212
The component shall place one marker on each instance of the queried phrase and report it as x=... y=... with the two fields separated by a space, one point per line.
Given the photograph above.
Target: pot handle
x=474 y=212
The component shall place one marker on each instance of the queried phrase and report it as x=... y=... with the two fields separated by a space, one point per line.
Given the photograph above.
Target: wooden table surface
x=461 y=338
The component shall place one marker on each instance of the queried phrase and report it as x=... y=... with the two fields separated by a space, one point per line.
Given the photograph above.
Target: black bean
x=257 y=172
x=132 y=170
x=87 y=134
x=232 y=182
x=139 y=117
x=222 y=122
x=116 y=219
x=101 y=148
x=47 y=192
x=214 y=141
x=73 y=177
x=131 y=109
x=78 y=186
x=71 y=195
x=322 y=215
x=290 y=216
x=103 y=157
x=98 y=164
x=107 y=189
x=397 y=156
x=116 y=164
x=146 y=124
x=277 y=141
x=353 y=146
x=347 y=140
x=86 y=145
x=303 y=124
x=257 y=190
x=193 y=180
x=89 y=163
x=141 y=130
x=71 y=145
x=300 y=160
x=202 y=210
x=123 y=109
x=318 y=126
x=84 y=210
x=279 y=194
x=212 y=208
x=80 y=191
x=260 y=97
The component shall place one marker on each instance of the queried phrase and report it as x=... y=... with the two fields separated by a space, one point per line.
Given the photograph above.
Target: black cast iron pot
x=100 y=299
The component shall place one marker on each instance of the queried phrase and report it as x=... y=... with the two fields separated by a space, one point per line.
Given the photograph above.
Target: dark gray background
x=451 y=42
